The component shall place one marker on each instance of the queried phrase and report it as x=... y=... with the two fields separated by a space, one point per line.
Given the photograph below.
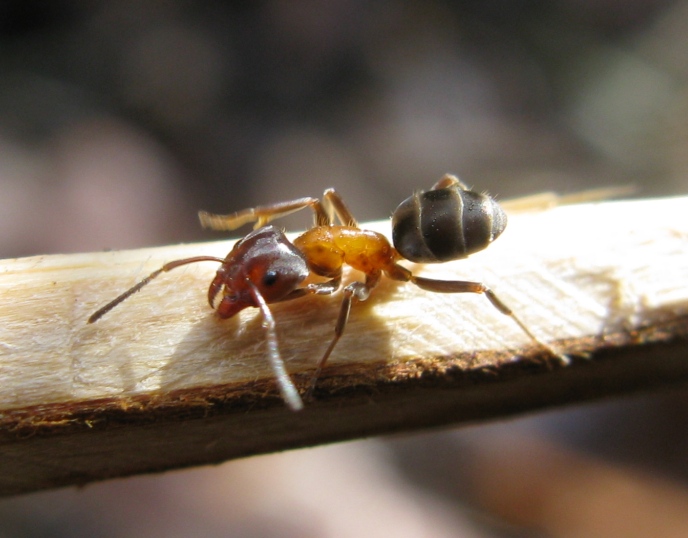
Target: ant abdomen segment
x=448 y=222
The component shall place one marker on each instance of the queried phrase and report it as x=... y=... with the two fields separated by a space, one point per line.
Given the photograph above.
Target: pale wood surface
x=583 y=278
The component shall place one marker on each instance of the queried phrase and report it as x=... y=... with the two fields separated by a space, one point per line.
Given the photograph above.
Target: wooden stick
x=160 y=383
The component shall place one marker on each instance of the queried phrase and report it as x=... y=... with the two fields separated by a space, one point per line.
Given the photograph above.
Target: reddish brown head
x=265 y=258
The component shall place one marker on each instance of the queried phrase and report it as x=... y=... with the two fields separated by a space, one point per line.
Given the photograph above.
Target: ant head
x=263 y=262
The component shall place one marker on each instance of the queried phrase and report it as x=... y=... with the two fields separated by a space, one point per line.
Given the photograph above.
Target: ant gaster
x=448 y=222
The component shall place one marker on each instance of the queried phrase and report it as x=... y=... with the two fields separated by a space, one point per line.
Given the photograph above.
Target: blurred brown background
x=119 y=120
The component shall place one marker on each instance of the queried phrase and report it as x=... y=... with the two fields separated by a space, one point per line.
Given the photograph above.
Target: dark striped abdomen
x=445 y=224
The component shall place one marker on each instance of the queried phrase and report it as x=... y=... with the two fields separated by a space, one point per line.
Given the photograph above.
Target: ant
x=447 y=222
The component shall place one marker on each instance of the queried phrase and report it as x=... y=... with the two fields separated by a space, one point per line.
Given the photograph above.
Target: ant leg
x=131 y=291
x=459 y=286
x=356 y=290
x=286 y=385
x=320 y=288
x=336 y=202
x=262 y=215
x=449 y=180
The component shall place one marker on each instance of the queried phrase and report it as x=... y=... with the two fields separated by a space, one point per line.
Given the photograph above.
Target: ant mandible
x=447 y=222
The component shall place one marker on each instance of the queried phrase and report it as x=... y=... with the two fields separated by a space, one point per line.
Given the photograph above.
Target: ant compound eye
x=269 y=278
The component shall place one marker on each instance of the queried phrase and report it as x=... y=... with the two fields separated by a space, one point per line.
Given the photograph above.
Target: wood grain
x=160 y=383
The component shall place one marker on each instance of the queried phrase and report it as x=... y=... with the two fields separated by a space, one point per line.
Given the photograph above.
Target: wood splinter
x=164 y=383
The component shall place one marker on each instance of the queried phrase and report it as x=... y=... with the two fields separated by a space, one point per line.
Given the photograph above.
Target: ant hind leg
x=460 y=286
x=334 y=201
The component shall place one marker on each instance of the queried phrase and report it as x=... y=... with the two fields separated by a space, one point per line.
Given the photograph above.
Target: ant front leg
x=262 y=215
x=321 y=288
x=356 y=290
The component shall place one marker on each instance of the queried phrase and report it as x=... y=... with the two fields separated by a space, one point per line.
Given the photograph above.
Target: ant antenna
x=286 y=386
x=131 y=291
